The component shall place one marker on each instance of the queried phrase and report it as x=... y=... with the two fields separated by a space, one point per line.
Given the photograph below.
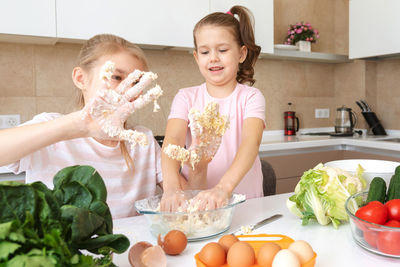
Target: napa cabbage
x=322 y=192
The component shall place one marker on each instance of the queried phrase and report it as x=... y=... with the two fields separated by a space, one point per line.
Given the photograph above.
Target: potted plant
x=301 y=35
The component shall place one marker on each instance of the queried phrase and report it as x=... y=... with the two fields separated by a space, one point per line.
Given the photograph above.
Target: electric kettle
x=345 y=121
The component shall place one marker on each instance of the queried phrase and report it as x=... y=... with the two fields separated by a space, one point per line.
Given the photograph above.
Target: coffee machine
x=291 y=121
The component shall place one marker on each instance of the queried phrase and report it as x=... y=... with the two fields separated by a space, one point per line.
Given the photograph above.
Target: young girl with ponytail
x=226 y=53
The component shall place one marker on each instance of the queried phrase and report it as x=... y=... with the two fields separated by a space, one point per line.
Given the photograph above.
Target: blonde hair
x=98 y=46
x=242 y=30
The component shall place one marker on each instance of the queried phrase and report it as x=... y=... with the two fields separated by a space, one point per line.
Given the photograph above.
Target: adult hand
x=110 y=108
x=172 y=201
x=210 y=199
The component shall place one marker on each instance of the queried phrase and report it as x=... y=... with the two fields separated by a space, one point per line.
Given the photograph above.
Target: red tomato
x=371 y=237
x=374 y=212
x=389 y=241
x=393 y=223
x=393 y=207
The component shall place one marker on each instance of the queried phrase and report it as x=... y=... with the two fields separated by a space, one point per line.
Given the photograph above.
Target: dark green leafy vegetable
x=43 y=227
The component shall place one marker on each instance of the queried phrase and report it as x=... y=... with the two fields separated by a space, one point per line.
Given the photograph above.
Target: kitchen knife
x=360 y=105
x=366 y=105
x=252 y=227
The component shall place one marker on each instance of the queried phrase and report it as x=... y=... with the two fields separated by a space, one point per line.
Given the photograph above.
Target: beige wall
x=37 y=78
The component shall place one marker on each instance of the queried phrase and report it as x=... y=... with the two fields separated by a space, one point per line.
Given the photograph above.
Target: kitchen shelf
x=281 y=54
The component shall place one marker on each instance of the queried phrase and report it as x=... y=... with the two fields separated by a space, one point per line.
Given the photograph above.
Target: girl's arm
x=20 y=141
x=173 y=181
x=175 y=134
x=243 y=161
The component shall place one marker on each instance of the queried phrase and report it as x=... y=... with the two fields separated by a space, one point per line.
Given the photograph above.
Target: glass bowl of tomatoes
x=373 y=226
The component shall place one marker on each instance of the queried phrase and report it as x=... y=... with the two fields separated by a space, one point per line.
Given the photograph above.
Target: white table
x=334 y=248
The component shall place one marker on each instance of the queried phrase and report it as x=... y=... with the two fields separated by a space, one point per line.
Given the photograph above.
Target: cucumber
x=394 y=187
x=377 y=190
x=397 y=170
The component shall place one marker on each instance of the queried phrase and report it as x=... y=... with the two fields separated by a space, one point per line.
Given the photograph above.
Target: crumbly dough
x=106 y=72
x=208 y=128
x=195 y=223
x=246 y=230
x=111 y=96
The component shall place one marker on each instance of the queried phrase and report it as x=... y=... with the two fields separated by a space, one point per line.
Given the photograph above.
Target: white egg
x=285 y=258
x=303 y=250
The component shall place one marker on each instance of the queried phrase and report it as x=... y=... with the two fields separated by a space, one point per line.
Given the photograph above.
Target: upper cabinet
x=263 y=12
x=152 y=22
x=27 y=17
x=373 y=28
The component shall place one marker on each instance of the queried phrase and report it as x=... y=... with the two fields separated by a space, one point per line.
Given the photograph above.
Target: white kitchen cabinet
x=27 y=17
x=373 y=28
x=154 y=22
x=263 y=12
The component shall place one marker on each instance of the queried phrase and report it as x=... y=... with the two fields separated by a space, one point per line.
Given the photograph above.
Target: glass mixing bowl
x=376 y=238
x=197 y=225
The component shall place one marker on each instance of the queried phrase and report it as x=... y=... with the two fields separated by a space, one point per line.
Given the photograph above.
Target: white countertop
x=334 y=247
x=275 y=143
x=4 y=170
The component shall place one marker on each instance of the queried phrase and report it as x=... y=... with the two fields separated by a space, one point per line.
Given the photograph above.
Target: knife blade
x=252 y=227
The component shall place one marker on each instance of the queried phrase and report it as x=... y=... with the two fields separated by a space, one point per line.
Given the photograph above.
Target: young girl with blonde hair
x=51 y=141
x=225 y=52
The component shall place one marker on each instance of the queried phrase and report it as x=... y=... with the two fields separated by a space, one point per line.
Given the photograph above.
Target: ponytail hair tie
x=236 y=16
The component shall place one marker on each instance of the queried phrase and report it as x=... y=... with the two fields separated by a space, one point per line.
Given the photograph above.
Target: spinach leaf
x=86 y=175
x=15 y=201
x=43 y=227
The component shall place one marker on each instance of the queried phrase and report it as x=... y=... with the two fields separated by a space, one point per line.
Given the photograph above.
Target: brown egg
x=227 y=241
x=212 y=255
x=266 y=254
x=302 y=250
x=174 y=242
x=241 y=254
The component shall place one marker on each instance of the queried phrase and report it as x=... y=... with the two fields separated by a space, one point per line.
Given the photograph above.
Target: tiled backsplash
x=38 y=78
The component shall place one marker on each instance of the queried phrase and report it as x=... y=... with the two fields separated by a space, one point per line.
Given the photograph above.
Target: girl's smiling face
x=125 y=63
x=218 y=55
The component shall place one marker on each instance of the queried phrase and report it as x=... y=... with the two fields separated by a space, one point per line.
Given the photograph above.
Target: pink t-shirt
x=123 y=186
x=244 y=102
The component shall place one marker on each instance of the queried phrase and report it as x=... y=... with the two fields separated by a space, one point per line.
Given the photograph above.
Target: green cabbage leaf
x=322 y=192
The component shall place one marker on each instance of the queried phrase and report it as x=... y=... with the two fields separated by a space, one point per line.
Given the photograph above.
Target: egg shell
x=241 y=254
x=285 y=258
x=153 y=256
x=303 y=250
x=212 y=254
x=227 y=241
x=136 y=251
x=266 y=254
x=174 y=242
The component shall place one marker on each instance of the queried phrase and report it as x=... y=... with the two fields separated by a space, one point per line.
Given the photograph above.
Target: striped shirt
x=123 y=185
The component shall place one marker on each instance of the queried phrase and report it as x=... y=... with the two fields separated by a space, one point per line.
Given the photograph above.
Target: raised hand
x=110 y=108
x=207 y=129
